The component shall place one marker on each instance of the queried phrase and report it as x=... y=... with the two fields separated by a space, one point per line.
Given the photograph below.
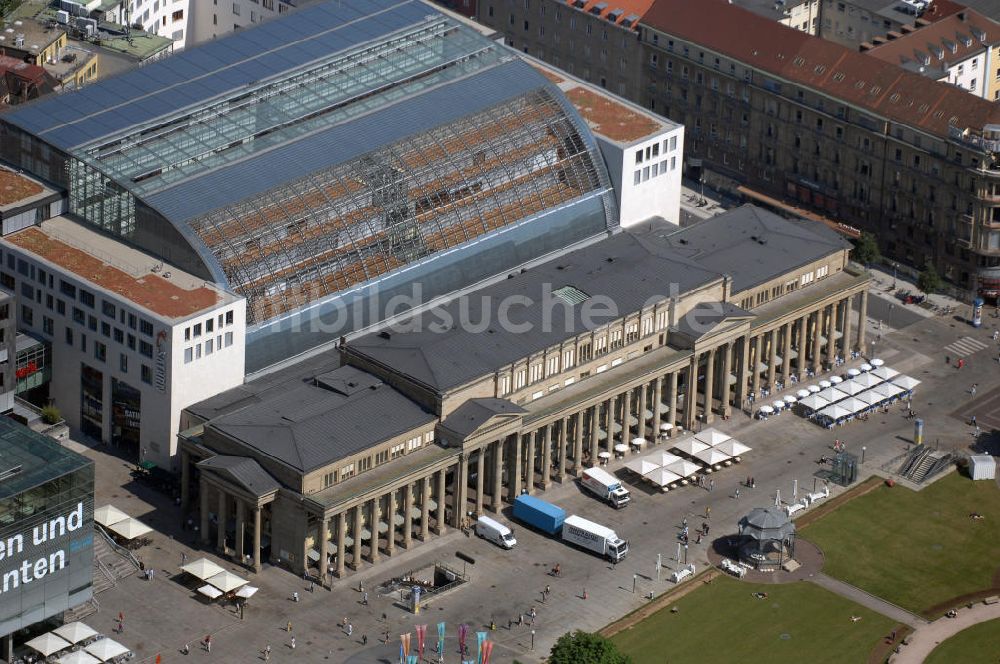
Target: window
x=535 y=373
x=552 y=365
x=600 y=345
x=414 y=443
x=100 y=351
x=638 y=156
x=188 y=355
x=131 y=342
x=209 y=347
x=105 y=329
x=123 y=362
x=822 y=271
x=504 y=387
x=209 y=326
x=146 y=327
x=661 y=320
x=647 y=326
x=79 y=316
x=132 y=321
x=229 y=339
x=197 y=330
x=146 y=373
x=520 y=378
x=92 y=323
x=347 y=471
x=86 y=298
x=108 y=309
x=631 y=332
x=616 y=338
x=229 y=318
x=568 y=359
x=397 y=450
x=364 y=463
x=47 y=325
x=637 y=177
x=236 y=9
x=27 y=315
x=69 y=336
x=329 y=479
x=145 y=349
x=69 y=290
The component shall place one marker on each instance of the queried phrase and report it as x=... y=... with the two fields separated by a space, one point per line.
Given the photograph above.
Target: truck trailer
x=539 y=514
x=594 y=537
x=605 y=486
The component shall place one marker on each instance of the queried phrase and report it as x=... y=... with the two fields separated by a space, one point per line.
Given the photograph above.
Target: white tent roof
x=711 y=436
x=712 y=456
x=226 y=581
x=106 y=649
x=733 y=447
x=853 y=405
x=75 y=632
x=815 y=401
x=885 y=373
x=210 y=592
x=203 y=568
x=642 y=466
x=835 y=412
x=247 y=592
x=905 y=382
x=690 y=446
x=867 y=380
x=850 y=387
x=684 y=468
x=833 y=394
x=108 y=514
x=130 y=528
x=662 y=477
x=888 y=390
x=662 y=458
x=870 y=397
x=78 y=657
x=48 y=643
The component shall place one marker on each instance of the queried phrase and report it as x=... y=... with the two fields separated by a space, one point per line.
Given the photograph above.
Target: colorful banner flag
x=412 y=659
x=487 y=651
x=421 y=636
x=463 y=631
x=480 y=637
x=404 y=640
x=441 y=627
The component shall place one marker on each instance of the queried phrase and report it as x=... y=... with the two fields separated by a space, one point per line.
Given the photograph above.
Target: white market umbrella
x=639 y=442
x=733 y=447
x=767 y=410
x=852 y=404
x=106 y=649
x=662 y=477
x=78 y=657
x=48 y=643
x=778 y=404
x=853 y=372
x=130 y=528
x=711 y=437
x=621 y=448
x=814 y=389
x=885 y=373
x=210 y=592
x=683 y=468
x=905 y=382
x=604 y=455
x=870 y=397
x=850 y=387
x=246 y=592
x=877 y=362
x=835 y=412
x=75 y=632
x=109 y=514
x=226 y=581
x=802 y=394
x=661 y=458
x=836 y=380
x=867 y=380
x=690 y=446
x=814 y=402
x=642 y=466
x=789 y=399
x=712 y=456
x=666 y=426
x=825 y=384
x=866 y=367
x=203 y=568
x=832 y=394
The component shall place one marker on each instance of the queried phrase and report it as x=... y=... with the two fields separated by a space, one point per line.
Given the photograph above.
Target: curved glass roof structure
x=325 y=150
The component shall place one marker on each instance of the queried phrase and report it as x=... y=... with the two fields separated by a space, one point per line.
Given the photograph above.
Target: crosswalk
x=965 y=346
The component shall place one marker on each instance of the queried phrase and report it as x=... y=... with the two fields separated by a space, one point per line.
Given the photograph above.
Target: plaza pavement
x=164 y=614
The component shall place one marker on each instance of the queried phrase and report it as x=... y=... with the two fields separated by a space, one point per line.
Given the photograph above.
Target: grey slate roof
x=766 y=523
x=307 y=420
x=753 y=245
x=475 y=412
x=620 y=274
x=243 y=471
x=705 y=317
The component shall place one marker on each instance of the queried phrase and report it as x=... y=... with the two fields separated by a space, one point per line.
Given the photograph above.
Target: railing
x=117 y=548
x=937 y=467
x=106 y=572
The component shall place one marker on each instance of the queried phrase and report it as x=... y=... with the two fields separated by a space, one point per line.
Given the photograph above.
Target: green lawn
x=916 y=549
x=723 y=622
x=978 y=644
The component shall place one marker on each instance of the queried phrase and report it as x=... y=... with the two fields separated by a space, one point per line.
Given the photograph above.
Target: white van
x=496 y=532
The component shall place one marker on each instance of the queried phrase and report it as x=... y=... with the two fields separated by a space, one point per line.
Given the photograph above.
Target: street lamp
x=532 y=639
x=863 y=449
x=894 y=266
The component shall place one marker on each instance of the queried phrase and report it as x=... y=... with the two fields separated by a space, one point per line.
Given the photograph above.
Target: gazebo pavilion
x=767 y=538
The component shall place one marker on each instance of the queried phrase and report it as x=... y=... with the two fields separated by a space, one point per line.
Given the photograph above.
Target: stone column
x=672 y=417
x=461 y=490
x=627 y=416
x=817 y=325
x=772 y=354
x=846 y=339
x=609 y=420
x=407 y=517
x=831 y=331
x=480 y=471
x=595 y=442
x=341 y=542
x=546 y=456
x=497 y=475
x=358 y=527
x=390 y=522
x=185 y=484
x=324 y=546
x=641 y=414
x=657 y=406
x=691 y=398
x=425 y=509
x=727 y=368
x=442 y=509
x=709 y=385
x=514 y=488
x=563 y=444
x=862 y=320
x=374 y=516
x=256 y=538
x=800 y=365
x=529 y=468
x=786 y=355
x=203 y=499
x=743 y=372
x=239 y=531
x=758 y=342
x=221 y=530
x=578 y=443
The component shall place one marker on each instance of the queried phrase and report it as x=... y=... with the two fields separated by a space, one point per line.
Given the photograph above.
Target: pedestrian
x=708 y=512
x=364 y=599
x=361 y=586
x=184 y=558
x=753 y=482
x=548 y=589
x=711 y=485
x=973 y=389
x=684 y=522
x=208 y=643
x=186 y=649
x=947 y=359
x=973 y=422
x=267 y=652
x=384 y=619
x=533 y=614
x=510 y=623
x=520 y=619
x=310 y=586
x=737 y=496
x=288 y=627
x=350 y=629
x=293 y=643
x=343 y=623
x=364 y=639
x=295 y=597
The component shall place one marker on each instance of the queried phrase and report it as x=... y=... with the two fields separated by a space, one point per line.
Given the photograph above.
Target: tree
x=585 y=648
x=866 y=250
x=929 y=281
x=51 y=414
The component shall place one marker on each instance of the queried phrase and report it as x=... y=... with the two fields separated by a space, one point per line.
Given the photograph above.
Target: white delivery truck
x=494 y=531
x=605 y=486
x=594 y=537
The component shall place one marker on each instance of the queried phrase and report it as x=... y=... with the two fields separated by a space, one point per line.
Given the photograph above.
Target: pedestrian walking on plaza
x=533 y=614
x=208 y=643
x=364 y=599
x=711 y=485
x=972 y=421
x=295 y=597
x=364 y=639
x=753 y=482
x=288 y=627
x=184 y=558
x=310 y=586
x=293 y=643
x=350 y=629
x=708 y=512
x=267 y=652
x=737 y=495
x=684 y=522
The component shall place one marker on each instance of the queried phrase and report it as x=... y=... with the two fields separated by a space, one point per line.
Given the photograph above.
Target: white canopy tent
x=226 y=581
x=106 y=649
x=130 y=528
x=78 y=657
x=834 y=412
x=690 y=446
x=712 y=456
x=684 y=468
x=210 y=592
x=642 y=466
x=867 y=380
x=833 y=394
x=815 y=402
x=109 y=514
x=662 y=477
x=246 y=592
x=870 y=397
x=733 y=447
x=662 y=458
x=905 y=382
x=853 y=405
x=48 y=643
x=75 y=632
x=203 y=568
x=885 y=373
x=850 y=387
x=888 y=390
x=711 y=437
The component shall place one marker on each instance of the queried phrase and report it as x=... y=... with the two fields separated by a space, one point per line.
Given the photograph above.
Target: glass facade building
x=320 y=163
x=46 y=527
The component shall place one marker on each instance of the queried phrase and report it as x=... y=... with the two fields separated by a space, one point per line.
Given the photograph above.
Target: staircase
x=80 y=612
x=925 y=464
x=111 y=563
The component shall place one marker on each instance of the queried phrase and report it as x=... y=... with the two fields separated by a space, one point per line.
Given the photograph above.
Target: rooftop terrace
x=16 y=188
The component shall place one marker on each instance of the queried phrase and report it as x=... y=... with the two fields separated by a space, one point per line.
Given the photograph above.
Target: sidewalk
x=847 y=591
x=924 y=639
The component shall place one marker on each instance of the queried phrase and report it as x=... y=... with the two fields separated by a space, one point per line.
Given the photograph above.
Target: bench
x=992 y=599
x=682 y=574
x=819 y=495
x=794 y=507
x=732 y=568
